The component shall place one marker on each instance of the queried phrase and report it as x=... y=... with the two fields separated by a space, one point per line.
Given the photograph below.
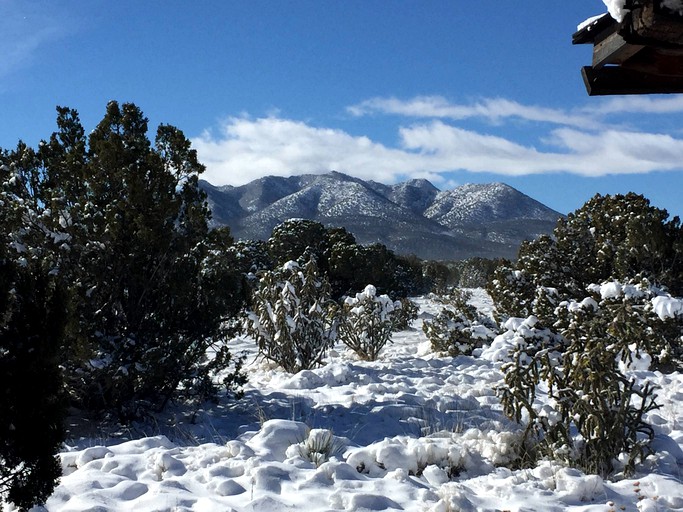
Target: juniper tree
x=610 y=237
x=130 y=239
x=32 y=321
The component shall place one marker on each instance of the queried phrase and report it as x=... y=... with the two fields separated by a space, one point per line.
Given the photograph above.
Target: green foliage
x=292 y=317
x=594 y=413
x=320 y=446
x=580 y=351
x=473 y=272
x=125 y=225
x=458 y=329
x=437 y=276
x=296 y=239
x=150 y=298
x=405 y=313
x=31 y=387
x=252 y=256
x=32 y=322
x=366 y=322
x=347 y=265
x=617 y=237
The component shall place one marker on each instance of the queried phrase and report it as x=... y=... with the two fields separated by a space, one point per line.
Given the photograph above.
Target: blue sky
x=455 y=91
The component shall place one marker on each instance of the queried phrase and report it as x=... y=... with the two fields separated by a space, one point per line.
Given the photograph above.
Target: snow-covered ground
x=411 y=431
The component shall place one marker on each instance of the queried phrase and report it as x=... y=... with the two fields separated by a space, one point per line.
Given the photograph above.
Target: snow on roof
x=616 y=8
x=618 y=11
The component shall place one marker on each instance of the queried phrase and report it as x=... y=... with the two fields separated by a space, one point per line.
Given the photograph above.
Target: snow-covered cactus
x=458 y=329
x=405 y=313
x=594 y=412
x=291 y=317
x=366 y=322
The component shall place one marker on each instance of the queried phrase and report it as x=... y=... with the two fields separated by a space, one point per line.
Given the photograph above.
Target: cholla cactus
x=366 y=322
x=405 y=313
x=458 y=329
x=595 y=412
x=291 y=319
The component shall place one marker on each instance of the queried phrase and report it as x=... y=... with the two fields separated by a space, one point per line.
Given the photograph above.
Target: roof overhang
x=642 y=54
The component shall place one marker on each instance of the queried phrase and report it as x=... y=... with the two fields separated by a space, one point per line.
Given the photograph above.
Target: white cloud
x=638 y=105
x=491 y=109
x=497 y=110
x=245 y=149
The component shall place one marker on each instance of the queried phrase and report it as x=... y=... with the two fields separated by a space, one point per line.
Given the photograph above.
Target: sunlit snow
x=411 y=431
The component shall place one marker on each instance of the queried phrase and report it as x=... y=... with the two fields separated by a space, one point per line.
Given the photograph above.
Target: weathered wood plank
x=613 y=50
x=589 y=33
x=657 y=26
x=609 y=80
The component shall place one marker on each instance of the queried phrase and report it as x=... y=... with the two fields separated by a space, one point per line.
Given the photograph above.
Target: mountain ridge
x=412 y=217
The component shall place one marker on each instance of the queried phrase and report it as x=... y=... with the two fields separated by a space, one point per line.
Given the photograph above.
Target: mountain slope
x=413 y=217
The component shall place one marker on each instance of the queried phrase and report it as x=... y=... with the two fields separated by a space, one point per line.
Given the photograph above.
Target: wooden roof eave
x=641 y=55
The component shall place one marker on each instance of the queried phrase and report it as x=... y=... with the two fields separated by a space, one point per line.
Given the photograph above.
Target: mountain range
x=413 y=217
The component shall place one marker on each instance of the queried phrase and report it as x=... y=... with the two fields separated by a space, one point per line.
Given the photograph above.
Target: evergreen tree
x=150 y=287
x=145 y=299
x=298 y=240
x=611 y=237
x=32 y=319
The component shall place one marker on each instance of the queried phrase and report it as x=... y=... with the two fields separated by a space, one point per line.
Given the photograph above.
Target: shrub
x=32 y=400
x=32 y=323
x=618 y=237
x=458 y=329
x=405 y=313
x=126 y=227
x=320 y=446
x=594 y=412
x=366 y=322
x=292 y=317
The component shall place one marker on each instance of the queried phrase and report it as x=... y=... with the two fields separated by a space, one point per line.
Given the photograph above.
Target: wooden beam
x=651 y=22
x=613 y=50
x=589 y=33
x=656 y=62
x=609 y=80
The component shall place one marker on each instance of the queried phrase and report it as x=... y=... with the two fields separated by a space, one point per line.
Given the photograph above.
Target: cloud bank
x=242 y=149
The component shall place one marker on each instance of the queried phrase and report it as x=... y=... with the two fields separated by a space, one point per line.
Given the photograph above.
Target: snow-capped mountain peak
x=488 y=220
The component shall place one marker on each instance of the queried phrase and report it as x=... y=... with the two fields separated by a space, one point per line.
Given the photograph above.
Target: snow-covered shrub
x=594 y=412
x=366 y=322
x=458 y=328
x=291 y=317
x=618 y=237
x=512 y=292
x=405 y=313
